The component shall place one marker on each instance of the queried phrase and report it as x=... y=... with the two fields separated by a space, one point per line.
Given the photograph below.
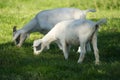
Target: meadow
x=20 y=63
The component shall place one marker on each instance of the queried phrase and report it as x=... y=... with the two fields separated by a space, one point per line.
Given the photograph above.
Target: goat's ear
x=14 y=28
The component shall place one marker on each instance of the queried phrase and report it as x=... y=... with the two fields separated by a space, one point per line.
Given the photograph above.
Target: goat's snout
x=36 y=52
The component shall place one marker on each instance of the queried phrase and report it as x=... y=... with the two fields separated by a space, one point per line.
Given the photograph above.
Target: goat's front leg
x=59 y=45
x=96 y=51
x=65 y=50
x=82 y=54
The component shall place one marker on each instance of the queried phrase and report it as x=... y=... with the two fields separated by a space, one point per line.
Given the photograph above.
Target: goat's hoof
x=18 y=46
x=66 y=58
x=79 y=62
x=97 y=63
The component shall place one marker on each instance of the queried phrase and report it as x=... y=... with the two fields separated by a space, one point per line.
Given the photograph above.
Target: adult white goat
x=46 y=20
x=71 y=32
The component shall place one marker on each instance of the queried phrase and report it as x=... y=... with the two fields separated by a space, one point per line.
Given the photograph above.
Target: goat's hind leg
x=95 y=48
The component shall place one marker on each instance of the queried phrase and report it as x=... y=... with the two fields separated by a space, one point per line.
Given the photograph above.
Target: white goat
x=71 y=32
x=46 y=20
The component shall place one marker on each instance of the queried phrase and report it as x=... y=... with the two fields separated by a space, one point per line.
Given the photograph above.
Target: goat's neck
x=32 y=26
x=49 y=38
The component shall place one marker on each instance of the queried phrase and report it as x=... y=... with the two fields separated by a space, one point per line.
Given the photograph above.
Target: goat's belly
x=73 y=41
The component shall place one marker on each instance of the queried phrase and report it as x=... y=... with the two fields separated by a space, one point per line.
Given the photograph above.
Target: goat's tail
x=101 y=21
x=90 y=10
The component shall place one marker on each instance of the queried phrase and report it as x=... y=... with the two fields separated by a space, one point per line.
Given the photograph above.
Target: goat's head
x=37 y=46
x=16 y=37
x=19 y=36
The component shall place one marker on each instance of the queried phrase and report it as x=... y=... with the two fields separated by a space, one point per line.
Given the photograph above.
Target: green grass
x=21 y=64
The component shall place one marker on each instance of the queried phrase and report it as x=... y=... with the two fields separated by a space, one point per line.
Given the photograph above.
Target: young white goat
x=46 y=20
x=71 y=32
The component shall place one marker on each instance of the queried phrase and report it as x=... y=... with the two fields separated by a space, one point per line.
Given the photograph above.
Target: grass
x=21 y=64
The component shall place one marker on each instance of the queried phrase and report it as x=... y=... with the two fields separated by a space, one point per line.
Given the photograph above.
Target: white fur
x=72 y=32
x=46 y=20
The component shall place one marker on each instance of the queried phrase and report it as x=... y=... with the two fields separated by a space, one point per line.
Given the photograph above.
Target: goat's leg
x=82 y=54
x=65 y=50
x=59 y=45
x=96 y=51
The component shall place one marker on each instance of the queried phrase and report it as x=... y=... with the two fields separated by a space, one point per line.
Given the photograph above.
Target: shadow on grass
x=21 y=62
x=109 y=45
